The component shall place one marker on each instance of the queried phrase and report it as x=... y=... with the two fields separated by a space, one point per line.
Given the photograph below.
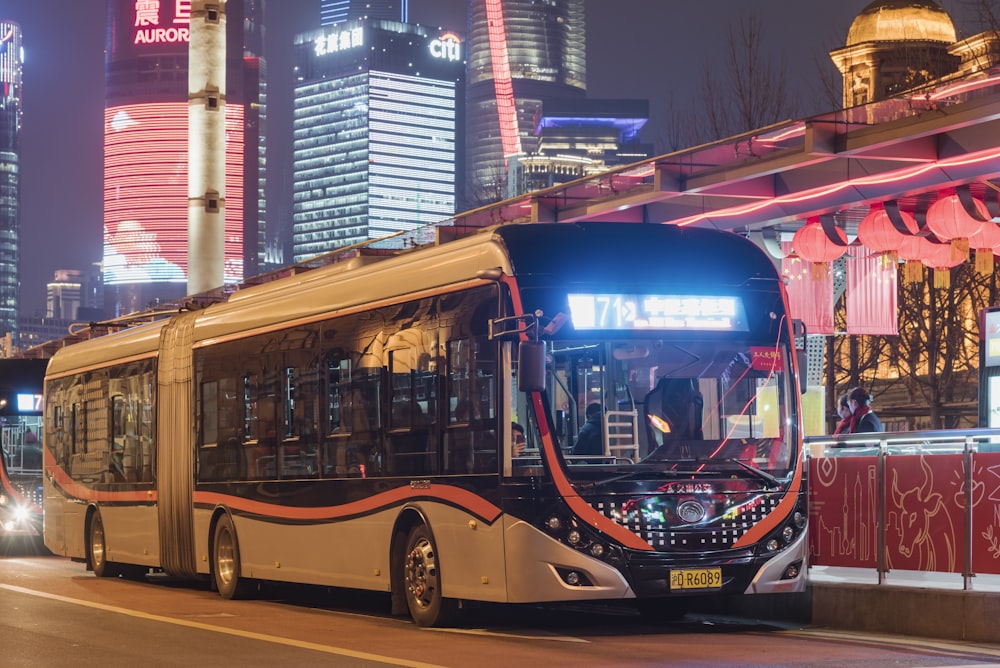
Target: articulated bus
x=21 y=439
x=351 y=426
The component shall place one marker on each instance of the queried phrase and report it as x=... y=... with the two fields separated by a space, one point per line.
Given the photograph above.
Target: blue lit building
x=377 y=145
x=578 y=138
x=11 y=58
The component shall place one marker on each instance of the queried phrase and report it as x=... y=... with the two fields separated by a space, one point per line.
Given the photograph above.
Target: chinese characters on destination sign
x=626 y=311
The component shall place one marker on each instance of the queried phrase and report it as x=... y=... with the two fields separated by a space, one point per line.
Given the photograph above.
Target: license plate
x=696 y=578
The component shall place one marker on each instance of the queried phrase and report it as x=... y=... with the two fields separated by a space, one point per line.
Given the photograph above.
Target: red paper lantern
x=948 y=220
x=914 y=250
x=941 y=259
x=879 y=235
x=813 y=245
x=986 y=241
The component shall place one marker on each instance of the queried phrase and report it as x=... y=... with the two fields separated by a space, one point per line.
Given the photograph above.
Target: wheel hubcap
x=421 y=573
x=225 y=562
x=97 y=543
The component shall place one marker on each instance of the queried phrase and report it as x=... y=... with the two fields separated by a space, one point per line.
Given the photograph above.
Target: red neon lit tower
x=145 y=150
x=520 y=52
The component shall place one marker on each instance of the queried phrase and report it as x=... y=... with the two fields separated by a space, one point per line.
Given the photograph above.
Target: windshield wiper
x=650 y=474
x=763 y=475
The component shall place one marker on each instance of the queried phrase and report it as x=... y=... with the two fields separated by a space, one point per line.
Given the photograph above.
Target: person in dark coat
x=863 y=418
x=590 y=440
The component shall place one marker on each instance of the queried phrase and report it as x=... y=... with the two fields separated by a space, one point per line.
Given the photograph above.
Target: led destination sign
x=640 y=312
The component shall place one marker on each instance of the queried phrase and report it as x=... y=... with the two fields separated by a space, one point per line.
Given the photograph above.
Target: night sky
x=647 y=49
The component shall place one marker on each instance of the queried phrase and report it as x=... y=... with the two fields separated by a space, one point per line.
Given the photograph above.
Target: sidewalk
x=929 y=605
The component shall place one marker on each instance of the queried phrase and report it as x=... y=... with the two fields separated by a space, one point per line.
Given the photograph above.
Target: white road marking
x=327 y=649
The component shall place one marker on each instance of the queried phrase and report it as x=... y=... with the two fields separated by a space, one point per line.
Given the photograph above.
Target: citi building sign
x=151 y=29
x=446 y=47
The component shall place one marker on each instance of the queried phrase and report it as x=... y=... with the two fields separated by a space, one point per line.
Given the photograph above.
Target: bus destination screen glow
x=641 y=312
x=29 y=403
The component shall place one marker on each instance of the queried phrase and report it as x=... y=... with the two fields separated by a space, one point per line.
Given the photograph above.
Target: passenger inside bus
x=518 y=443
x=590 y=440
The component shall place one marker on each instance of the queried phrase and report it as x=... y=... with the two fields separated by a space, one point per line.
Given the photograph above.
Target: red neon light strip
x=843 y=185
x=502 y=81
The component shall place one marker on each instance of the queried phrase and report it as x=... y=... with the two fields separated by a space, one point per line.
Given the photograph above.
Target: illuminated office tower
x=64 y=294
x=332 y=12
x=376 y=146
x=11 y=56
x=145 y=150
x=578 y=138
x=520 y=52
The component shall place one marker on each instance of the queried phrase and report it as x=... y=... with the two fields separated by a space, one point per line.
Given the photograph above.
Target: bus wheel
x=97 y=549
x=226 y=560
x=422 y=580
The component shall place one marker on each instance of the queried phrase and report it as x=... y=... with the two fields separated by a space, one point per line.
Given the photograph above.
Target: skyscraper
x=578 y=138
x=11 y=56
x=332 y=12
x=520 y=52
x=376 y=147
x=145 y=149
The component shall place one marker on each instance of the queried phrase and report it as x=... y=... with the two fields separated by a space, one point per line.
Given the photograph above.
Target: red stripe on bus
x=75 y=490
x=580 y=508
x=785 y=507
x=473 y=503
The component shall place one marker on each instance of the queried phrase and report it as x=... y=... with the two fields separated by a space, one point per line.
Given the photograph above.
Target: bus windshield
x=701 y=407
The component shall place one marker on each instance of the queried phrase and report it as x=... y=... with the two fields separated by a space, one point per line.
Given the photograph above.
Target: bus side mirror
x=531 y=366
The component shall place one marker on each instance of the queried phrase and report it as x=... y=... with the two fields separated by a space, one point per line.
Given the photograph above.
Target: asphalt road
x=55 y=613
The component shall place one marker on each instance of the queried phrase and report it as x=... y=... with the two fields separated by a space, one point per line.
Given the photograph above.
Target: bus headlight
x=787 y=534
x=800 y=519
x=573 y=537
x=554 y=523
x=772 y=545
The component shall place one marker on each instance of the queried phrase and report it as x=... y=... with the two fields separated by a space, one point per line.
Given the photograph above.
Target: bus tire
x=97 y=548
x=226 y=561
x=422 y=580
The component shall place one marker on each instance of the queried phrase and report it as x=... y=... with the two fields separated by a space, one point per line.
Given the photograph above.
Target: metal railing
x=923 y=501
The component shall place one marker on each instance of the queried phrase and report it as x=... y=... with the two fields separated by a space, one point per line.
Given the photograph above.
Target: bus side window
x=349 y=432
x=408 y=452
x=300 y=455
